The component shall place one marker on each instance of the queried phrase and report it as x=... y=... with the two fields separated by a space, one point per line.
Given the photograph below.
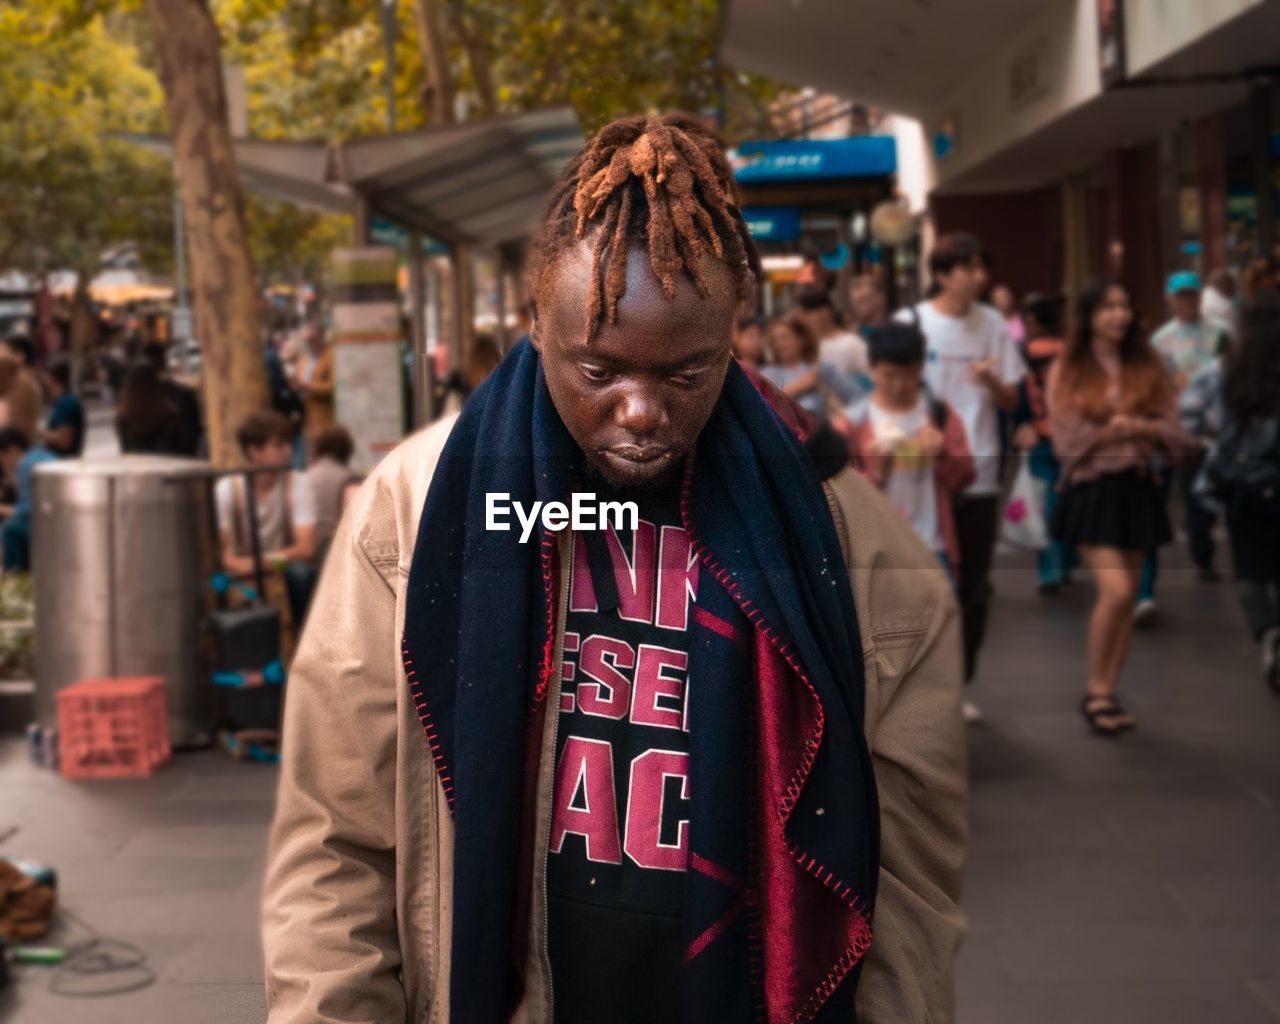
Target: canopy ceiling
x=480 y=183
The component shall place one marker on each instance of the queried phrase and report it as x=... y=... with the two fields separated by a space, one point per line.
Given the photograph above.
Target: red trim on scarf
x=424 y=716
x=799 y=931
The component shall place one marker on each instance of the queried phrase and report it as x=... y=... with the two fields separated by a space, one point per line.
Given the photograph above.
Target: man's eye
x=686 y=379
x=596 y=374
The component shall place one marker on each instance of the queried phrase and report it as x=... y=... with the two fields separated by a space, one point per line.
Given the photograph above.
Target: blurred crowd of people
x=945 y=403
x=41 y=419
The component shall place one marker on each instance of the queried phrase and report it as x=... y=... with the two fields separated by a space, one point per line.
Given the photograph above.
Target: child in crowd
x=911 y=445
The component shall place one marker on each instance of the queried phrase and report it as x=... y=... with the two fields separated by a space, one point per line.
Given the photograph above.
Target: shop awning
x=480 y=183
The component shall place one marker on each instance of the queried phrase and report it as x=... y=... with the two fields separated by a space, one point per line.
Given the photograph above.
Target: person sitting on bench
x=285 y=511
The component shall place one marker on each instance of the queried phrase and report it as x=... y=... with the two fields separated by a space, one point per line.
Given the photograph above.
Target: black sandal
x=1104 y=707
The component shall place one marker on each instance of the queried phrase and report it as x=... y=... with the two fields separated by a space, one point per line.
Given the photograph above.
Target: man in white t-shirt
x=284 y=507
x=974 y=366
x=842 y=351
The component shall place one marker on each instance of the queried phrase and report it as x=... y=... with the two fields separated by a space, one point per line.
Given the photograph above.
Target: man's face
x=1185 y=305
x=9 y=459
x=965 y=282
x=868 y=303
x=637 y=396
x=275 y=452
x=313 y=338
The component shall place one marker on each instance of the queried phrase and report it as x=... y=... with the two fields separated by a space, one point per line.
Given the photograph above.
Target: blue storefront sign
x=790 y=160
x=772 y=223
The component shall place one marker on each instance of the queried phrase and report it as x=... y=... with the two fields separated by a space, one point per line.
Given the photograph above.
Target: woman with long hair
x=1113 y=414
x=1243 y=471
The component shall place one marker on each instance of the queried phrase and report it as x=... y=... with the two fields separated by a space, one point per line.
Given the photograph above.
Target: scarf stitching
x=862 y=937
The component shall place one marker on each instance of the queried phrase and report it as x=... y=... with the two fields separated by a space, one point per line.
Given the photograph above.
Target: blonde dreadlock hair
x=661 y=180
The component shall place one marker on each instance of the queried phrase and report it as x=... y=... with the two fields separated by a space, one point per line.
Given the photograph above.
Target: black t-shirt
x=620 y=818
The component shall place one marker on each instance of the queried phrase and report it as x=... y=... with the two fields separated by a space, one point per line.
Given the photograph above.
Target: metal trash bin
x=122 y=552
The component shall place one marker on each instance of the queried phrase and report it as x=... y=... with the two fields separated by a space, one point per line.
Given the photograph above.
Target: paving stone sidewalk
x=1129 y=882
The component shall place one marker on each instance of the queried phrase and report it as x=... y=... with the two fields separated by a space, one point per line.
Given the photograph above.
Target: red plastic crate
x=113 y=728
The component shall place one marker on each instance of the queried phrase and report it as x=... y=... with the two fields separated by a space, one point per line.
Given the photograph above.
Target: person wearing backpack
x=1242 y=472
x=910 y=444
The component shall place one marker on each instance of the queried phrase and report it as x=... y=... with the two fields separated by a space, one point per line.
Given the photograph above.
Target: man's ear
x=535 y=327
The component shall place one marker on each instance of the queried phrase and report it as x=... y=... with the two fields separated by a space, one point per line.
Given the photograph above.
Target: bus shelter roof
x=478 y=183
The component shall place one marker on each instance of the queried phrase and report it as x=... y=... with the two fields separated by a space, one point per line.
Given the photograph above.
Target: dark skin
x=636 y=397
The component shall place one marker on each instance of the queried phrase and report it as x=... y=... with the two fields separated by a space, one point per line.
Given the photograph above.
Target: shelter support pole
x=500 y=334
x=363 y=223
x=424 y=394
x=457 y=255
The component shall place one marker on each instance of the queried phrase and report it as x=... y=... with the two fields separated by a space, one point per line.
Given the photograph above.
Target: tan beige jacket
x=357 y=906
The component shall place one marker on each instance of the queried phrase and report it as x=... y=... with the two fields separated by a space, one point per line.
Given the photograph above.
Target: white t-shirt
x=844 y=352
x=274 y=532
x=953 y=344
x=910 y=487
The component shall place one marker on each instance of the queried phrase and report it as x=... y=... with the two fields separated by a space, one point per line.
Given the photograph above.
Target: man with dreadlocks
x=704 y=766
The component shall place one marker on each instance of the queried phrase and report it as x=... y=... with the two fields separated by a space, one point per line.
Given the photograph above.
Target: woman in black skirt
x=1114 y=421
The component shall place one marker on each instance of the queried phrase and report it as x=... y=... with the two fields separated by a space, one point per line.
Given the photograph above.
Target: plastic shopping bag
x=1023 y=523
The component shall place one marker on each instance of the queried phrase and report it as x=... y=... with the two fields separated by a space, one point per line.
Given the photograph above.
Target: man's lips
x=639 y=454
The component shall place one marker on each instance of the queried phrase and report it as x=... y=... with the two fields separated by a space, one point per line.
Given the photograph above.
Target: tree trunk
x=222 y=280
x=438 y=94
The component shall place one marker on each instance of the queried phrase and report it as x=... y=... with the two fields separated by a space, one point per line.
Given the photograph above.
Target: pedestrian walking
x=868 y=304
x=1242 y=473
x=1004 y=302
x=795 y=368
x=972 y=364
x=329 y=478
x=1188 y=343
x=842 y=350
x=1034 y=435
x=1113 y=411
x=652 y=768
x=910 y=444
x=1218 y=301
x=313 y=380
x=750 y=341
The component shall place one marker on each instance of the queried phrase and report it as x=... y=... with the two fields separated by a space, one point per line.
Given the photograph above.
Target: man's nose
x=640 y=413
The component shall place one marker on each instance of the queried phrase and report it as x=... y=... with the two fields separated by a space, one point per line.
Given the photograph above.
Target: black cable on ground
x=100 y=966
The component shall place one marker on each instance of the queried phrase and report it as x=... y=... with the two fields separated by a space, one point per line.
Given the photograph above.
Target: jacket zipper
x=553 y=709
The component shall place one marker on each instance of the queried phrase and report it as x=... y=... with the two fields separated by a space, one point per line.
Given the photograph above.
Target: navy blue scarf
x=478 y=647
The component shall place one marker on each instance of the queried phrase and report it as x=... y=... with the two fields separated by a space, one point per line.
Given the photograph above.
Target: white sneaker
x=972 y=713
x=1145 y=612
